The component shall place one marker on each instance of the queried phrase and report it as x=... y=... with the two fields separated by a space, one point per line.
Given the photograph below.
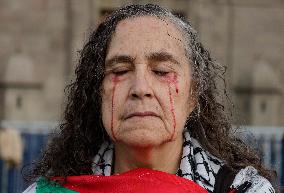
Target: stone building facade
x=39 y=40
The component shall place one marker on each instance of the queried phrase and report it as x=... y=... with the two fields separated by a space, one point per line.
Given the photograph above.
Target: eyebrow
x=155 y=57
x=162 y=57
x=119 y=59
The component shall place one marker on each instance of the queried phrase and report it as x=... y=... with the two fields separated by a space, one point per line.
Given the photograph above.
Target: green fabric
x=46 y=186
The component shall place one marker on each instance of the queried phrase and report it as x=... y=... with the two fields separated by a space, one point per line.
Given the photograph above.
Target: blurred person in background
x=11 y=147
x=146 y=96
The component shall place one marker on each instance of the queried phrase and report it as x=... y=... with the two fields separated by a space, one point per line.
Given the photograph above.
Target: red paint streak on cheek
x=172 y=80
x=175 y=82
x=115 y=80
x=172 y=111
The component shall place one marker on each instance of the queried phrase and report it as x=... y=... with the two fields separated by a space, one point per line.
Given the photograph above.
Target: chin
x=143 y=138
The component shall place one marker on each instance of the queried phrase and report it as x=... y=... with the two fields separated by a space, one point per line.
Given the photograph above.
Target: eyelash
x=160 y=73
x=120 y=72
x=157 y=72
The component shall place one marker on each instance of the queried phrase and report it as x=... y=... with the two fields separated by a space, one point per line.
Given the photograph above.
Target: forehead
x=147 y=34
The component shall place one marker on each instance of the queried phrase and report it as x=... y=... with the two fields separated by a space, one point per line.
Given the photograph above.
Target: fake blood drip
x=115 y=81
x=173 y=81
x=173 y=111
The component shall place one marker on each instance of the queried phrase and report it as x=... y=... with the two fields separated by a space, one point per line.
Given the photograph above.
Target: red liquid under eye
x=172 y=111
x=172 y=79
x=175 y=81
x=114 y=81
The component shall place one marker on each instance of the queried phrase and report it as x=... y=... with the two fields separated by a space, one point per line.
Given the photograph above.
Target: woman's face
x=146 y=91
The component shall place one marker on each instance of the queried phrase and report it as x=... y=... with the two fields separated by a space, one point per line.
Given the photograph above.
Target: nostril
x=134 y=95
x=148 y=95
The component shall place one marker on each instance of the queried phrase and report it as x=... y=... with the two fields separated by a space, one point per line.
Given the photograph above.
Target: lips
x=141 y=114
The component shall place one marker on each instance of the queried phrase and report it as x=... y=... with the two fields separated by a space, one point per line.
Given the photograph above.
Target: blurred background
x=39 y=44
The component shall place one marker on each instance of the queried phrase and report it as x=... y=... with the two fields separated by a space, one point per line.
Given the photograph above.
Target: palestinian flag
x=134 y=181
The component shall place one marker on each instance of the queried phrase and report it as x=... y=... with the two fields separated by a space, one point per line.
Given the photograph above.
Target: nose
x=140 y=87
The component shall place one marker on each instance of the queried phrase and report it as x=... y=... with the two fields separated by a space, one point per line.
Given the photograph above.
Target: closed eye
x=120 y=72
x=160 y=73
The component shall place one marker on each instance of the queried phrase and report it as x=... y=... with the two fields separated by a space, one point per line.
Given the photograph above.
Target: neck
x=165 y=157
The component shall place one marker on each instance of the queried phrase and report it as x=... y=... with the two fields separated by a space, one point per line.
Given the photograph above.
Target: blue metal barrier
x=269 y=142
x=34 y=136
x=33 y=143
x=282 y=164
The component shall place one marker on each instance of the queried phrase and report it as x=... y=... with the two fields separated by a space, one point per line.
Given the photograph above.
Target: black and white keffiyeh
x=250 y=176
x=196 y=164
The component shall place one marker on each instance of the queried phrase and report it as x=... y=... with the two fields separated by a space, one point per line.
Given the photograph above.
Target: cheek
x=112 y=103
x=184 y=103
x=106 y=107
x=166 y=93
x=181 y=104
x=108 y=98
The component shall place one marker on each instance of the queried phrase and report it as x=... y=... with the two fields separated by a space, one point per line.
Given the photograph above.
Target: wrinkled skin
x=154 y=76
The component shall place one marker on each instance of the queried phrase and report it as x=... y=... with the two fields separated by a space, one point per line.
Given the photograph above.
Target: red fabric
x=134 y=181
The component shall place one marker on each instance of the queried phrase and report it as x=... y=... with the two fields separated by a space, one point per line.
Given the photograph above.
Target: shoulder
x=248 y=180
x=31 y=189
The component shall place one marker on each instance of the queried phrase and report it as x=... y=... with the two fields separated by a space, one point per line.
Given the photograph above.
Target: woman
x=145 y=96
